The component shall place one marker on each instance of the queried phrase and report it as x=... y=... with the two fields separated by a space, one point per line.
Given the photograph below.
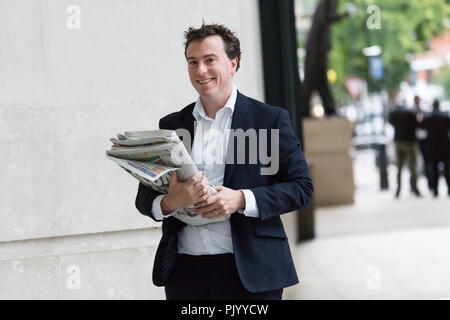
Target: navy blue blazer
x=260 y=245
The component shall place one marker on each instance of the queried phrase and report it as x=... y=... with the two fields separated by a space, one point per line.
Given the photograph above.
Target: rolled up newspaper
x=150 y=156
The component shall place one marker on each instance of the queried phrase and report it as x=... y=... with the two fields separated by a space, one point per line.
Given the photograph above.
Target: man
x=421 y=135
x=437 y=125
x=405 y=124
x=246 y=256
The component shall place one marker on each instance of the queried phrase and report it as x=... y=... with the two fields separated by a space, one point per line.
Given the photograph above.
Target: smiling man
x=246 y=256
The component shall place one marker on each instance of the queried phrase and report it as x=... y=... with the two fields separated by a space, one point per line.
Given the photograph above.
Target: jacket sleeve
x=293 y=187
x=144 y=200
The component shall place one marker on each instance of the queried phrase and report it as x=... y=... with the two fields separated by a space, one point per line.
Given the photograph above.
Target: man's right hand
x=184 y=194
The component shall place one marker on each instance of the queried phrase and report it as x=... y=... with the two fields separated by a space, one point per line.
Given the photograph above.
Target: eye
x=210 y=60
x=192 y=62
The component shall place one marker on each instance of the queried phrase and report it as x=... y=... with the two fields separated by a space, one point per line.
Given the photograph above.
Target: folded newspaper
x=150 y=156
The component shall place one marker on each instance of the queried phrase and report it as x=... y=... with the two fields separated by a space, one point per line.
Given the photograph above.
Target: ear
x=234 y=63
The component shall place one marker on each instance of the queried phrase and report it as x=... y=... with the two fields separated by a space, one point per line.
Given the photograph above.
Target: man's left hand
x=226 y=201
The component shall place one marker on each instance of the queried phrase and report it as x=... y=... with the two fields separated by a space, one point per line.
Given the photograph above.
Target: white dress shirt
x=209 y=153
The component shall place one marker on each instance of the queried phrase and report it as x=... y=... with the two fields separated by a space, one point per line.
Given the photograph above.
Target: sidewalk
x=380 y=247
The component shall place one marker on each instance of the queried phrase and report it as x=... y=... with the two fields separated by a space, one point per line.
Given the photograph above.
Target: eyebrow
x=205 y=56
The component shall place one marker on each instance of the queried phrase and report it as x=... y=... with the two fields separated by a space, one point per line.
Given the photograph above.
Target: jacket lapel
x=187 y=122
x=239 y=121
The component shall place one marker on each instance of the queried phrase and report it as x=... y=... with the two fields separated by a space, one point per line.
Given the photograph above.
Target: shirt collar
x=199 y=110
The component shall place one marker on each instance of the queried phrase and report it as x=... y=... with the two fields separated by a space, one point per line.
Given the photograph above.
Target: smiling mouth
x=205 y=81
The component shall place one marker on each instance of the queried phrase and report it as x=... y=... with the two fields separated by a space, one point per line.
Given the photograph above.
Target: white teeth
x=204 y=81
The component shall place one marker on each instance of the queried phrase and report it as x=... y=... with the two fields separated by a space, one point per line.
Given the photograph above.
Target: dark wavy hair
x=231 y=42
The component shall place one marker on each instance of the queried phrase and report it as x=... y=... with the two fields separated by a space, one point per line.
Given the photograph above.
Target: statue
x=318 y=44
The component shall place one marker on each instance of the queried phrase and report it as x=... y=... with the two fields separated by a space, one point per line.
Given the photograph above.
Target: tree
x=406 y=27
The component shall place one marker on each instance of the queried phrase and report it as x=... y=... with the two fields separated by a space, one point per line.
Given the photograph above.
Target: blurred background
x=377 y=246
x=75 y=73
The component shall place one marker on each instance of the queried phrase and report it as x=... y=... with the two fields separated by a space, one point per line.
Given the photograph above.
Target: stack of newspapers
x=150 y=156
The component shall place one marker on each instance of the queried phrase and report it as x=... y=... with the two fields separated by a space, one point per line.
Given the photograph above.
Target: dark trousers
x=210 y=277
x=435 y=173
x=405 y=151
x=427 y=165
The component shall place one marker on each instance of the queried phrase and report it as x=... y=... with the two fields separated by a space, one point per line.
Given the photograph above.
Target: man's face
x=209 y=67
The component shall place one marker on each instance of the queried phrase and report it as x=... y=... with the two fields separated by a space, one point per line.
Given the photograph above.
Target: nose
x=202 y=68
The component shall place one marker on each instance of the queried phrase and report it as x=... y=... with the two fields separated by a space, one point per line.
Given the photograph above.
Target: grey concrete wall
x=63 y=93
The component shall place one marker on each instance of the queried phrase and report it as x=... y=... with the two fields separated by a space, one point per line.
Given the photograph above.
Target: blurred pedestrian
x=421 y=135
x=405 y=124
x=437 y=125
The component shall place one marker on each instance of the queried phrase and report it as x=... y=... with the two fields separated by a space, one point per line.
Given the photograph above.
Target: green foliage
x=407 y=26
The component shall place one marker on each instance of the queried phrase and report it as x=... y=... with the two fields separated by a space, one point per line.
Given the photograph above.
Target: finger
x=213 y=214
x=206 y=209
x=201 y=204
x=199 y=186
x=218 y=188
x=199 y=175
x=196 y=177
x=207 y=202
x=202 y=181
x=205 y=182
x=201 y=193
x=173 y=178
x=201 y=198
